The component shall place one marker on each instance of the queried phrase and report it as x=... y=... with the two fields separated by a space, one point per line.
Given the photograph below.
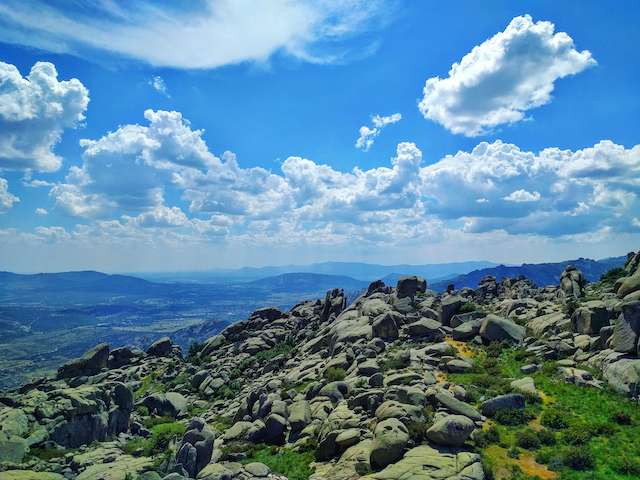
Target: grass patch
x=293 y=465
x=581 y=433
x=149 y=384
x=158 y=443
x=333 y=374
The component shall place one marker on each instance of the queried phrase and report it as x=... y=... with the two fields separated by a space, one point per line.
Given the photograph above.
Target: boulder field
x=342 y=388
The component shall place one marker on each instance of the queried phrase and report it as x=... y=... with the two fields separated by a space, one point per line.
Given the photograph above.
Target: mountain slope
x=358 y=270
x=540 y=273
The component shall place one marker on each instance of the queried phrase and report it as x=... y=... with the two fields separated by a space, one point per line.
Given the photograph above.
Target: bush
x=335 y=374
x=293 y=465
x=484 y=438
x=396 y=362
x=467 y=307
x=554 y=418
x=512 y=416
x=418 y=429
x=161 y=437
x=513 y=452
x=528 y=439
x=621 y=418
x=627 y=466
x=612 y=275
x=194 y=349
x=578 y=458
x=577 y=434
x=546 y=437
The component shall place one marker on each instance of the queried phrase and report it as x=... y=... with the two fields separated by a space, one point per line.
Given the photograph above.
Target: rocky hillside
x=502 y=381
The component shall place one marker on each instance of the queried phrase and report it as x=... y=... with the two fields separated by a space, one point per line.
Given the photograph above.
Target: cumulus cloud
x=495 y=187
x=536 y=193
x=41 y=212
x=6 y=198
x=157 y=83
x=522 y=196
x=502 y=78
x=34 y=111
x=191 y=35
x=368 y=134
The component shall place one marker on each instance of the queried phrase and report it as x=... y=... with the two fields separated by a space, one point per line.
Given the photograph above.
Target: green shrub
x=468 y=307
x=395 y=362
x=513 y=452
x=293 y=465
x=627 y=466
x=512 y=416
x=546 y=437
x=612 y=275
x=577 y=434
x=484 y=438
x=418 y=429
x=335 y=374
x=161 y=436
x=194 y=350
x=528 y=439
x=578 y=458
x=554 y=418
x=621 y=418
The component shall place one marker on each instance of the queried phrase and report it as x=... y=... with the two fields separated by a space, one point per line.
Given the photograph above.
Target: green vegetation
x=394 y=362
x=610 y=277
x=468 y=307
x=293 y=465
x=158 y=443
x=149 y=384
x=333 y=374
x=582 y=433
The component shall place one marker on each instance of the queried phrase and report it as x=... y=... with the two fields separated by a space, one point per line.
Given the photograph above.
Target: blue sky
x=526 y=152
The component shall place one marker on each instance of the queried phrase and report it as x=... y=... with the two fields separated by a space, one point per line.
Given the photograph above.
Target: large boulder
x=629 y=285
x=90 y=363
x=165 y=404
x=590 y=318
x=427 y=463
x=390 y=439
x=572 y=282
x=410 y=285
x=511 y=401
x=626 y=329
x=386 y=326
x=624 y=376
x=449 y=307
x=119 y=357
x=451 y=430
x=161 y=347
x=426 y=328
x=498 y=329
x=196 y=448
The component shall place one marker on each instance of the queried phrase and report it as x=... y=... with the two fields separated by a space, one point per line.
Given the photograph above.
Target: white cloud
x=41 y=212
x=159 y=86
x=535 y=193
x=494 y=187
x=6 y=198
x=160 y=216
x=34 y=111
x=503 y=77
x=522 y=195
x=192 y=35
x=368 y=135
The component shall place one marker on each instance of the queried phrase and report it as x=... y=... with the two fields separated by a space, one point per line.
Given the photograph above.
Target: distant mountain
x=366 y=272
x=305 y=282
x=541 y=274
